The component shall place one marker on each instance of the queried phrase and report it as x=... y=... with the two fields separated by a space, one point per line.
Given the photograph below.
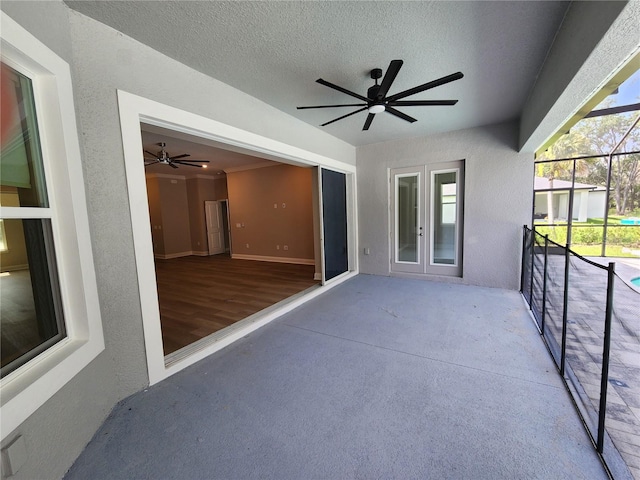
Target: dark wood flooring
x=201 y=295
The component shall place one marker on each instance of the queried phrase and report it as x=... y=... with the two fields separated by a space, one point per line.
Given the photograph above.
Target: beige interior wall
x=175 y=218
x=196 y=216
x=256 y=199
x=155 y=214
x=221 y=192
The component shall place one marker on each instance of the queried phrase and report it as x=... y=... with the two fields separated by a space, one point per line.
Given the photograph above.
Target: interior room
x=232 y=233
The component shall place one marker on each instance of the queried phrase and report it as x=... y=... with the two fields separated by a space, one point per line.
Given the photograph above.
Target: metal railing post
x=524 y=253
x=565 y=307
x=544 y=282
x=604 y=380
x=533 y=256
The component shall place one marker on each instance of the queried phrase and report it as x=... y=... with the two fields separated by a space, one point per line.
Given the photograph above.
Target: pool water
x=636 y=281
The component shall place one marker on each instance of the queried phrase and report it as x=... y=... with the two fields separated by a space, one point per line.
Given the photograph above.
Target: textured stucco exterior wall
x=498 y=186
x=102 y=61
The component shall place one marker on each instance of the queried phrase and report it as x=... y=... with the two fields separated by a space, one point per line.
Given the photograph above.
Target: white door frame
x=133 y=110
x=425 y=264
x=221 y=233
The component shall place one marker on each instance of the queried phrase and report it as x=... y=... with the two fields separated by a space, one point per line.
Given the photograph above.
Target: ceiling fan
x=163 y=157
x=377 y=100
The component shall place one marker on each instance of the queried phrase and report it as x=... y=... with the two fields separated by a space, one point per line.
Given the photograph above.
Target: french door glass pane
x=407 y=195
x=444 y=231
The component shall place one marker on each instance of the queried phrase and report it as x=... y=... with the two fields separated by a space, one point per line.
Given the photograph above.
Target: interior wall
x=273 y=206
x=155 y=214
x=175 y=216
x=498 y=186
x=102 y=61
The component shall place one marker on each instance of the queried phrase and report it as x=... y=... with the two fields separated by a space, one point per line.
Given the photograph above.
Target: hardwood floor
x=201 y=295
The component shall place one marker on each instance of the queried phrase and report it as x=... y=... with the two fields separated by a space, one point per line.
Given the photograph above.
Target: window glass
x=444 y=228
x=31 y=317
x=21 y=166
x=407 y=218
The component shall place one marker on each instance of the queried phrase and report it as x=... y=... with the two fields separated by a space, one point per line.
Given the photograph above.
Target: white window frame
x=28 y=387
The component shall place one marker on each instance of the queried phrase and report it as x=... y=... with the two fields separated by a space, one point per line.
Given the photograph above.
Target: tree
x=599 y=136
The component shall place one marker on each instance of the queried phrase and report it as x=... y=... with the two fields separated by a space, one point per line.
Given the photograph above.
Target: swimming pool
x=636 y=281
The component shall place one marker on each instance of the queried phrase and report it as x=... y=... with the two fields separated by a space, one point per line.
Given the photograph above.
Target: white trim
x=265 y=258
x=27 y=388
x=134 y=110
x=200 y=253
x=252 y=166
x=25 y=212
x=169 y=256
x=165 y=175
x=15 y=268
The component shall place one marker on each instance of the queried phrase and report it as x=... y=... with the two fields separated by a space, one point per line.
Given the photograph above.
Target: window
x=30 y=315
x=50 y=318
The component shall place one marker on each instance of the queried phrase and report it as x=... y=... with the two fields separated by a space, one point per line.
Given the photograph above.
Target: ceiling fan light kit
x=377 y=100
x=164 y=158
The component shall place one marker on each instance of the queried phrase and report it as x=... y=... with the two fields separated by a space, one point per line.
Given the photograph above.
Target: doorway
x=427 y=217
x=217 y=223
x=134 y=110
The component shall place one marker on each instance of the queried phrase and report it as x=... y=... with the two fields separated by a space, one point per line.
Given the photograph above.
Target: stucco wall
x=498 y=187
x=102 y=61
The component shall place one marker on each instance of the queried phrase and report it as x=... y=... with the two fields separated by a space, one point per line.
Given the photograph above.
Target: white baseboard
x=15 y=268
x=317 y=276
x=264 y=258
x=169 y=256
x=201 y=253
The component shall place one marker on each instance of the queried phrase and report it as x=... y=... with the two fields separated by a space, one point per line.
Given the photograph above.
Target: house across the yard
x=588 y=202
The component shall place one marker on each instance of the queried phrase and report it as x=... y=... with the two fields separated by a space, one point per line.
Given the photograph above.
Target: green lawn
x=596 y=251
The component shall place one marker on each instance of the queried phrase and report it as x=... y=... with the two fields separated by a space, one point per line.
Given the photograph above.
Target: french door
x=426 y=206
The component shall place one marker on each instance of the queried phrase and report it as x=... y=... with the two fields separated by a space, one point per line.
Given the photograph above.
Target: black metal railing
x=577 y=305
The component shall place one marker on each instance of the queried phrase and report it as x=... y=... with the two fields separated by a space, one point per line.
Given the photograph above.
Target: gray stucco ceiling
x=275 y=51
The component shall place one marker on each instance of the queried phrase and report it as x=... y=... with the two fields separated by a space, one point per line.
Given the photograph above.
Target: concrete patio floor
x=378 y=378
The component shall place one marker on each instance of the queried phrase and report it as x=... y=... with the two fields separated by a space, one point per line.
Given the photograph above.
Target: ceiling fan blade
x=401 y=115
x=333 y=106
x=187 y=164
x=180 y=156
x=344 y=116
x=151 y=162
x=149 y=153
x=418 y=103
x=184 y=161
x=368 y=121
x=426 y=86
x=172 y=165
x=389 y=77
x=340 y=89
